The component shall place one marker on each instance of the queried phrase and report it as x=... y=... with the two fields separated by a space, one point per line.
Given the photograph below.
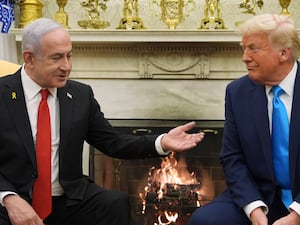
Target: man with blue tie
x=260 y=151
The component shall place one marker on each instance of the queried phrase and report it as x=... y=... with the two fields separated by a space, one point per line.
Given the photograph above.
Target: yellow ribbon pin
x=13 y=95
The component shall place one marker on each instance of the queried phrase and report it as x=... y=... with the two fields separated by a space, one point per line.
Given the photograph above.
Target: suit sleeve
x=239 y=178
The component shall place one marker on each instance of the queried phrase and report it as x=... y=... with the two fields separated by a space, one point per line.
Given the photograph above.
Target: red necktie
x=42 y=196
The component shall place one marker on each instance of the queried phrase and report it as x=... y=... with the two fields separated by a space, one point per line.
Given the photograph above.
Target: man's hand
x=20 y=212
x=291 y=219
x=258 y=217
x=178 y=140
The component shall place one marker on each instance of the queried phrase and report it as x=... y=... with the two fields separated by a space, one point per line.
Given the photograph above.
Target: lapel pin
x=13 y=95
x=69 y=95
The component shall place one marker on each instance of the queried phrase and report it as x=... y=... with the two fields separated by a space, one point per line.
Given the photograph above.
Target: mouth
x=251 y=68
x=62 y=76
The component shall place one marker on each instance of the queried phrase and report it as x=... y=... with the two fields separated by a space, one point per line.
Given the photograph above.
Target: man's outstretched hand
x=179 y=140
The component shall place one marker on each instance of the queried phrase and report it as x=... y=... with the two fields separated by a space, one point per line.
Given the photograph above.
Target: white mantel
x=157 y=74
x=124 y=36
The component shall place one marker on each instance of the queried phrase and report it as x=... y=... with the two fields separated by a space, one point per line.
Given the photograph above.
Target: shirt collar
x=287 y=84
x=31 y=88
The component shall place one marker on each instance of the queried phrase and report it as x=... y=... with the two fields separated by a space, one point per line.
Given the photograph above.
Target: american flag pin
x=69 y=95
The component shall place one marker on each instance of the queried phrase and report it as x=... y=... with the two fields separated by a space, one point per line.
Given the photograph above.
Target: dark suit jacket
x=80 y=120
x=246 y=151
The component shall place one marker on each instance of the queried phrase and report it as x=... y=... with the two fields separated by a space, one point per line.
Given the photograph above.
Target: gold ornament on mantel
x=94 y=21
x=172 y=11
x=61 y=16
x=212 y=16
x=251 y=5
x=131 y=19
x=284 y=5
x=30 y=10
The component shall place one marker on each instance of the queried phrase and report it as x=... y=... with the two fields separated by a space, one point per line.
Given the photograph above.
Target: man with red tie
x=45 y=119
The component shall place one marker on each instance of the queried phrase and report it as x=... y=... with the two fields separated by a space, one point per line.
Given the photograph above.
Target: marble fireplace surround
x=156 y=74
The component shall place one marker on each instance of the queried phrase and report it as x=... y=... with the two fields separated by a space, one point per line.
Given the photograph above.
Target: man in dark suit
x=75 y=117
x=254 y=194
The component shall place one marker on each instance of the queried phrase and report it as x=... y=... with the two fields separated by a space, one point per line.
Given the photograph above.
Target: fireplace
x=134 y=176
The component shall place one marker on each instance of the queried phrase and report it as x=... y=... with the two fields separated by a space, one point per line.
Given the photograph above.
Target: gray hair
x=281 y=30
x=33 y=33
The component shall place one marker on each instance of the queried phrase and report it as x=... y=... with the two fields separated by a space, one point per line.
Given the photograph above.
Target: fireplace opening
x=164 y=190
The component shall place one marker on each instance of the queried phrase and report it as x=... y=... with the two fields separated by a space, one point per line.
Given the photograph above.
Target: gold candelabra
x=30 y=10
x=212 y=16
x=92 y=7
x=61 y=16
x=131 y=19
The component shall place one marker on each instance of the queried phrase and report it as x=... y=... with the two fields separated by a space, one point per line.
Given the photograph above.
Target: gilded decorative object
x=131 y=19
x=251 y=5
x=212 y=16
x=92 y=7
x=61 y=16
x=173 y=11
x=284 y=5
x=30 y=10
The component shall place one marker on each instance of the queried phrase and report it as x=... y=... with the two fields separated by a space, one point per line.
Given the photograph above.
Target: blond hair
x=281 y=30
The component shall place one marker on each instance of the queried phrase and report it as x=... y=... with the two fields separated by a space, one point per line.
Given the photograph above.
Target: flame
x=172 y=191
x=171 y=172
x=169 y=216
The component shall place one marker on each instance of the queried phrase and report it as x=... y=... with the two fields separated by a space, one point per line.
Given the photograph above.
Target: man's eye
x=253 y=48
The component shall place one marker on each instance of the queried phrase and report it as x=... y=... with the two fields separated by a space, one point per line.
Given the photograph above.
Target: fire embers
x=176 y=198
x=171 y=193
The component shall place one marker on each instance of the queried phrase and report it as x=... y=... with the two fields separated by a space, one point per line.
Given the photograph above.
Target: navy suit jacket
x=246 y=153
x=80 y=120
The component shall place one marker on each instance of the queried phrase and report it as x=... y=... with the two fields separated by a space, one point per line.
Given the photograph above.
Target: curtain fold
x=8 y=48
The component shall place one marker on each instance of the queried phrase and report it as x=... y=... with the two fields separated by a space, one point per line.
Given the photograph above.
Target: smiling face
x=51 y=66
x=265 y=64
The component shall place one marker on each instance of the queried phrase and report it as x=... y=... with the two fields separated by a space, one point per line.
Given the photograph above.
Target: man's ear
x=285 y=54
x=28 y=57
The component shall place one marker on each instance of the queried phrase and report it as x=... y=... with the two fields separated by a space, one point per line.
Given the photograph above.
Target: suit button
x=34 y=175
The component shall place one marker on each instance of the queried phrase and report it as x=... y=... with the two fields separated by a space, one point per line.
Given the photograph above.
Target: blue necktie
x=280 y=143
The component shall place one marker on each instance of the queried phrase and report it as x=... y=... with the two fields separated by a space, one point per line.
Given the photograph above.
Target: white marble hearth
x=157 y=74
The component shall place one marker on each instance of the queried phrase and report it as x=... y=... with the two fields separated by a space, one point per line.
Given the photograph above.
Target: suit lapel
x=65 y=98
x=260 y=113
x=295 y=130
x=15 y=101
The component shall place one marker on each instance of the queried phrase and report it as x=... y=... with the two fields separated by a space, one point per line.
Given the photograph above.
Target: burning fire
x=172 y=191
x=171 y=218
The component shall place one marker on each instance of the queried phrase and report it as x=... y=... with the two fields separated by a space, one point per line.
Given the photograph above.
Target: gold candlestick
x=284 y=5
x=212 y=16
x=61 y=16
x=131 y=19
x=30 y=10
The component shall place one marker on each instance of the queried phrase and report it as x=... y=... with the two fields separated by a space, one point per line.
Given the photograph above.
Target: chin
x=256 y=79
x=61 y=84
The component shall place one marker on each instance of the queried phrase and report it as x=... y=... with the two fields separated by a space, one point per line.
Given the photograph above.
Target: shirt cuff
x=256 y=204
x=295 y=206
x=158 y=147
x=3 y=194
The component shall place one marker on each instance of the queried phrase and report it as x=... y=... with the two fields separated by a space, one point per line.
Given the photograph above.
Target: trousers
x=104 y=208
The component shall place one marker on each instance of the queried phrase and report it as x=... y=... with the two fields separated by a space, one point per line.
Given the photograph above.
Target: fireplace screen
x=164 y=191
